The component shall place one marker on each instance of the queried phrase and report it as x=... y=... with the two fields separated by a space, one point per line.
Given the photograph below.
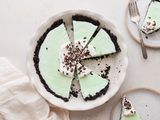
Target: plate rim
x=130 y=91
x=130 y=33
x=34 y=77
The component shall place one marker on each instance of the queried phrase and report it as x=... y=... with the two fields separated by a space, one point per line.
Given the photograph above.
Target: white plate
x=145 y=101
x=153 y=40
x=119 y=63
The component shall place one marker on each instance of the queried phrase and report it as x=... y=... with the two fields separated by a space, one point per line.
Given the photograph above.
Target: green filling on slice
x=92 y=84
x=152 y=19
x=134 y=117
x=49 y=62
x=103 y=43
x=83 y=30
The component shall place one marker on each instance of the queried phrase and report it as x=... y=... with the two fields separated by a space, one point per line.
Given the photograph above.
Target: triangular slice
x=93 y=86
x=84 y=27
x=105 y=43
x=152 y=19
x=47 y=62
x=128 y=111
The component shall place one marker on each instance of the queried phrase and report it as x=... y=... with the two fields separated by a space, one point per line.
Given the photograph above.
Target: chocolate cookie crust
x=98 y=94
x=79 y=17
x=36 y=58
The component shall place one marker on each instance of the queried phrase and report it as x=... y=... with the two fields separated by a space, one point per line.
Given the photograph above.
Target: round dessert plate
x=118 y=63
x=145 y=101
x=151 y=40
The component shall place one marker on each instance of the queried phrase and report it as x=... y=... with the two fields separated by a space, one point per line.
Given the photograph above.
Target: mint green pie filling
x=133 y=117
x=49 y=61
x=103 y=44
x=102 y=41
x=83 y=30
x=92 y=84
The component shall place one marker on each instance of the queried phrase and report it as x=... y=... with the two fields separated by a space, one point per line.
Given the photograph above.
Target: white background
x=19 y=20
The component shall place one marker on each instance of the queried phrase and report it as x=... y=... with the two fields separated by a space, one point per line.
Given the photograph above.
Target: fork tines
x=133 y=9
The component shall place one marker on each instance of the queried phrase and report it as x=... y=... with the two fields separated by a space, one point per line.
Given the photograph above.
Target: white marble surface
x=19 y=19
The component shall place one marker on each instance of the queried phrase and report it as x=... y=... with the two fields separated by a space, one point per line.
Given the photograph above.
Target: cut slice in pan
x=93 y=86
x=47 y=61
x=84 y=27
x=105 y=43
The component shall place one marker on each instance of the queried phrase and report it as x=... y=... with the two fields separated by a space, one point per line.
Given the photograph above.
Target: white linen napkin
x=20 y=101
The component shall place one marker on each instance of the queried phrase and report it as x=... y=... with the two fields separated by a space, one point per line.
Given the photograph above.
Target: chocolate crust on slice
x=114 y=39
x=36 y=58
x=156 y=0
x=79 y=17
x=115 y=42
x=98 y=94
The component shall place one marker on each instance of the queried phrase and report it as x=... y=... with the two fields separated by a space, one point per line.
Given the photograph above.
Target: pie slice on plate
x=152 y=19
x=128 y=111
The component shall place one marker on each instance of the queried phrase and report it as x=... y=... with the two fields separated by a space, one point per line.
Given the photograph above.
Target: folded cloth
x=20 y=101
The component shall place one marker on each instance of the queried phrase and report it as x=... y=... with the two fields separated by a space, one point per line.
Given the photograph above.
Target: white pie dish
x=116 y=77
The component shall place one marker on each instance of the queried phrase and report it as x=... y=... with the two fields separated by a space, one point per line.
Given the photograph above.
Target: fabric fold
x=20 y=101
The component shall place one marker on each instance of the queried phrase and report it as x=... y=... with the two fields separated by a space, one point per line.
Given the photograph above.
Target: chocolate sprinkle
x=127 y=105
x=91 y=73
x=85 y=38
x=104 y=73
x=72 y=28
x=73 y=91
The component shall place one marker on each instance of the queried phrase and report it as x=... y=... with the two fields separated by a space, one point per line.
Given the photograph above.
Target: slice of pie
x=152 y=19
x=52 y=74
x=83 y=27
x=93 y=86
x=128 y=111
x=105 y=43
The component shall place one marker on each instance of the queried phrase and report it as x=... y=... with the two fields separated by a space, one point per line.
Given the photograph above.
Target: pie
x=57 y=60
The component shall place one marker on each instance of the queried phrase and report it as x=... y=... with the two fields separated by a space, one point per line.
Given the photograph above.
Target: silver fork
x=135 y=18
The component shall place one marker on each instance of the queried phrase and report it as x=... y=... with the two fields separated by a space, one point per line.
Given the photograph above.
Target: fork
x=135 y=18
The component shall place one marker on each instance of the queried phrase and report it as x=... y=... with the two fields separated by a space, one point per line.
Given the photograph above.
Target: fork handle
x=143 y=48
